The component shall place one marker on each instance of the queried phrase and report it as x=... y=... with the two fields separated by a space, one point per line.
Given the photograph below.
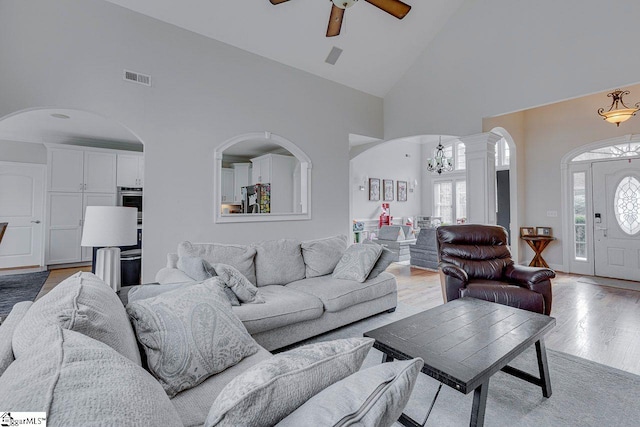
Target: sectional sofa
x=302 y=298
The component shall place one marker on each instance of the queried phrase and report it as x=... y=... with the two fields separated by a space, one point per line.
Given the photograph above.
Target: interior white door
x=616 y=224
x=65 y=227
x=22 y=206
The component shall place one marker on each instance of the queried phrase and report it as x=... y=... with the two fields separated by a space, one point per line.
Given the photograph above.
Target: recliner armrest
x=527 y=275
x=454 y=271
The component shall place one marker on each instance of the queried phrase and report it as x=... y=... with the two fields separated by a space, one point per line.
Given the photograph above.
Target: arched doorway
x=43 y=195
x=601 y=208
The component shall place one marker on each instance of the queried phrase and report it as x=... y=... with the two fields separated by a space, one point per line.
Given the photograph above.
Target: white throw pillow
x=269 y=391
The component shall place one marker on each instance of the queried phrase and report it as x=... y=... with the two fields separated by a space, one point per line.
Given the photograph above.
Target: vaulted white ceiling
x=377 y=48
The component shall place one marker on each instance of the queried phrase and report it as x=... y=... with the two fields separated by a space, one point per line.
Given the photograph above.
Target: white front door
x=616 y=223
x=22 y=206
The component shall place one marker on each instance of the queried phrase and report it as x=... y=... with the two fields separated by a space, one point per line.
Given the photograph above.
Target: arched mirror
x=261 y=176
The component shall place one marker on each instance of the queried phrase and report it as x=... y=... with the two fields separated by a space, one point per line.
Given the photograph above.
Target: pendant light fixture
x=439 y=163
x=618 y=112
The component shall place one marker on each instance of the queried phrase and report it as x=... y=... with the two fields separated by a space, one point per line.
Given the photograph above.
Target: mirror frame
x=305 y=181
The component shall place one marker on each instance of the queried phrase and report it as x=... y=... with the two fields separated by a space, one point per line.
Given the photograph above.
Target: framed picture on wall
x=374 y=189
x=402 y=191
x=387 y=190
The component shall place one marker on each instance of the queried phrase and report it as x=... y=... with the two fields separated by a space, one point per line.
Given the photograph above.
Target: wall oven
x=132 y=198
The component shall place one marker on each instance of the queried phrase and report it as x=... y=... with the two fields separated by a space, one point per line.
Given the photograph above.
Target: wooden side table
x=538 y=244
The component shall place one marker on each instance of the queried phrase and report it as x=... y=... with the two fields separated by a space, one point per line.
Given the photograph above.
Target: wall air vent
x=333 y=56
x=132 y=76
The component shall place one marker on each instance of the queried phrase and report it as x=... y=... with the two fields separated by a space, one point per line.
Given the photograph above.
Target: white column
x=480 y=154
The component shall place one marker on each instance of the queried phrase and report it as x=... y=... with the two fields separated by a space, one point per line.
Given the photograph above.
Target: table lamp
x=109 y=226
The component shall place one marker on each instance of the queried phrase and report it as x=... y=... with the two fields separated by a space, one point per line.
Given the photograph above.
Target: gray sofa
x=74 y=355
x=302 y=298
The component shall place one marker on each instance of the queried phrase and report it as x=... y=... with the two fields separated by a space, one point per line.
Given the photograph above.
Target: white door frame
x=567 y=168
x=43 y=170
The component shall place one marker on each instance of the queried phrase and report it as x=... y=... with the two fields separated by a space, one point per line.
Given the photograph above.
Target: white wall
x=386 y=161
x=71 y=53
x=500 y=56
x=24 y=152
x=546 y=134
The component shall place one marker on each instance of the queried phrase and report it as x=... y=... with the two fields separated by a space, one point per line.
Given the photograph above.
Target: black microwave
x=131 y=198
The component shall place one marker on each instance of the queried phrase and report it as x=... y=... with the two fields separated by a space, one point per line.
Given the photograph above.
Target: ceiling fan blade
x=335 y=21
x=277 y=1
x=392 y=7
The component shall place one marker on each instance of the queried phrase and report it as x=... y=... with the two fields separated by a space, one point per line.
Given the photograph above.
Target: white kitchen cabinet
x=64 y=227
x=277 y=170
x=130 y=170
x=72 y=170
x=241 y=178
x=65 y=220
x=227 y=185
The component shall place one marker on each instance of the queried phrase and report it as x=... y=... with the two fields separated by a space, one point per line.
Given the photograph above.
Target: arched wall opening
x=48 y=223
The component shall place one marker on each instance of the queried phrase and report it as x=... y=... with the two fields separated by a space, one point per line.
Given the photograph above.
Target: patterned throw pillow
x=243 y=289
x=386 y=258
x=189 y=334
x=372 y=397
x=269 y=391
x=357 y=262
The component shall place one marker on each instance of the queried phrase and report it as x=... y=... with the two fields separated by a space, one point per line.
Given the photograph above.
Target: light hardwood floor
x=597 y=323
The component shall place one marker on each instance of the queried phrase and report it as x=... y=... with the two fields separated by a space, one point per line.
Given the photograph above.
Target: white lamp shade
x=110 y=226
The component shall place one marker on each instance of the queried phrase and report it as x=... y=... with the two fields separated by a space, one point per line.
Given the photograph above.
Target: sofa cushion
x=278 y=262
x=322 y=255
x=189 y=334
x=357 y=262
x=269 y=391
x=371 y=397
x=193 y=404
x=386 y=258
x=196 y=268
x=502 y=293
x=6 y=333
x=79 y=381
x=283 y=306
x=338 y=294
x=151 y=290
x=85 y=304
x=238 y=256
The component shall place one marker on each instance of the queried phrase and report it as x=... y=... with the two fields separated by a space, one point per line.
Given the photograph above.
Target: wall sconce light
x=413 y=185
x=616 y=114
x=363 y=186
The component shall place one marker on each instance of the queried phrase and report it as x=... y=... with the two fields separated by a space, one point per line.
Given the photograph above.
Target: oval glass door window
x=627 y=205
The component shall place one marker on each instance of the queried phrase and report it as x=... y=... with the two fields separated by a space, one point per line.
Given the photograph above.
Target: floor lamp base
x=108 y=266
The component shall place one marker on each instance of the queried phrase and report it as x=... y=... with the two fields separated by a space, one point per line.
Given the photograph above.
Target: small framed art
x=527 y=231
x=374 y=189
x=402 y=191
x=543 y=231
x=387 y=190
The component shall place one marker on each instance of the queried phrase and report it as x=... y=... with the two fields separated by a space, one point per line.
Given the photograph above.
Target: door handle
x=37 y=221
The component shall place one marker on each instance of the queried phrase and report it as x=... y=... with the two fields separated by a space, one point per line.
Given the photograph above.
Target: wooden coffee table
x=464 y=342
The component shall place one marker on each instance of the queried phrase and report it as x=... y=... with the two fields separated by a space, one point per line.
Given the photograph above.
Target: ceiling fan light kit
x=392 y=7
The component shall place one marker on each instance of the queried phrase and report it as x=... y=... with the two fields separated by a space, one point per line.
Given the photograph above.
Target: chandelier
x=618 y=112
x=439 y=163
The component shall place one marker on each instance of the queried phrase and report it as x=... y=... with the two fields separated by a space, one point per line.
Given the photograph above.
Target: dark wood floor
x=597 y=323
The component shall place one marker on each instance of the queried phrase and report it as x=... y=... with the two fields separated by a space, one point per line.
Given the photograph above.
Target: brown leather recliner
x=476 y=262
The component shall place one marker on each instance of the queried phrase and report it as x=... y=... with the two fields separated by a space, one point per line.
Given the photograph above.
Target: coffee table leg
x=479 y=404
x=543 y=367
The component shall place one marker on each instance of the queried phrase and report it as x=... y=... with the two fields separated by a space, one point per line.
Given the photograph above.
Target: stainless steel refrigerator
x=256 y=198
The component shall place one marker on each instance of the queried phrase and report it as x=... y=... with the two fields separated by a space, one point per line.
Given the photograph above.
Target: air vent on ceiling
x=132 y=76
x=333 y=56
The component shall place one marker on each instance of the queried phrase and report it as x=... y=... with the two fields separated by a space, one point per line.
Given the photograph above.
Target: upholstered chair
x=475 y=261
